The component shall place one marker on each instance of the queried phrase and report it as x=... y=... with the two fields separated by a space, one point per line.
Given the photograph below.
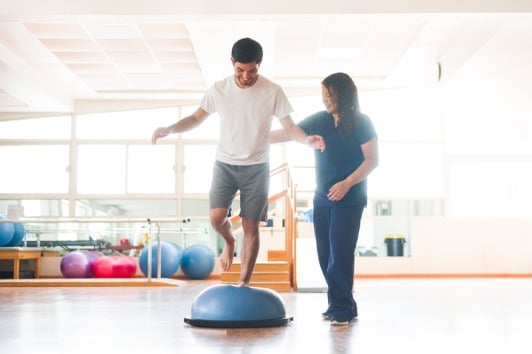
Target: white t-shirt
x=245 y=118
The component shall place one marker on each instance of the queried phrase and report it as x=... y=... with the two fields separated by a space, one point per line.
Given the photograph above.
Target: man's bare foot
x=242 y=283
x=226 y=259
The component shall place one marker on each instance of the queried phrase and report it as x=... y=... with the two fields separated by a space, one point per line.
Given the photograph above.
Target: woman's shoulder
x=366 y=125
x=364 y=116
x=313 y=123
x=365 y=120
x=319 y=115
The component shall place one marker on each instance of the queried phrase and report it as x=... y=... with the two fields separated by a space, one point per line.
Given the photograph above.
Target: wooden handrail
x=289 y=196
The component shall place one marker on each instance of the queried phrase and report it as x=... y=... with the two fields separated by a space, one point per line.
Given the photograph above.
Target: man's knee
x=250 y=227
x=218 y=217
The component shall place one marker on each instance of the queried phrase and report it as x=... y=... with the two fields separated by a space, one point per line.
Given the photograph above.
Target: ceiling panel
x=67 y=59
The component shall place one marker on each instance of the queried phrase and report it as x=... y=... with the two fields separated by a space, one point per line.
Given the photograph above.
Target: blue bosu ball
x=231 y=306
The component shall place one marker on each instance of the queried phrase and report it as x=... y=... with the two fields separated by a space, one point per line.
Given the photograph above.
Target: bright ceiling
x=79 y=56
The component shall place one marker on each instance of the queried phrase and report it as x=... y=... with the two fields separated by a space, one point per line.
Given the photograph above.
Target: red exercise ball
x=114 y=267
x=102 y=267
x=124 y=267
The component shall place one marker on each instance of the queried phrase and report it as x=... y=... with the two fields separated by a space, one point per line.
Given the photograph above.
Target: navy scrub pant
x=336 y=229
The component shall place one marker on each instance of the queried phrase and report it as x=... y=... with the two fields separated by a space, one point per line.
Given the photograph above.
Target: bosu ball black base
x=231 y=306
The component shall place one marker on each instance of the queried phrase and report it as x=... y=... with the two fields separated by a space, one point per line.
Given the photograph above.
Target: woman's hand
x=338 y=191
x=316 y=141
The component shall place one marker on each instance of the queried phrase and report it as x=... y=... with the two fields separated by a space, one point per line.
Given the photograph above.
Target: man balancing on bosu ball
x=246 y=103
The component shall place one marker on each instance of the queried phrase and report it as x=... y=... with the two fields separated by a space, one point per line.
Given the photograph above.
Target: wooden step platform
x=271 y=275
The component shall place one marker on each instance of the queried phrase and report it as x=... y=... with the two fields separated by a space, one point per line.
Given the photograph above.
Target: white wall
x=444 y=246
x=441 y=247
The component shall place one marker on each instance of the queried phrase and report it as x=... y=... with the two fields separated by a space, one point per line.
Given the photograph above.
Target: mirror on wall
x=385 y=227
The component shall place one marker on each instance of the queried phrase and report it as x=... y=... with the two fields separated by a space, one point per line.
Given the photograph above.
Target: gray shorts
x=253 y=181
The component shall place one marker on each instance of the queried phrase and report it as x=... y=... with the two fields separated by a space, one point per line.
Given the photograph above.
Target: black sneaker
x=339 y=321
x=325 y=316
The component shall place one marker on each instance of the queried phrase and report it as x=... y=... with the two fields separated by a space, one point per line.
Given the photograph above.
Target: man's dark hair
x=247 y=50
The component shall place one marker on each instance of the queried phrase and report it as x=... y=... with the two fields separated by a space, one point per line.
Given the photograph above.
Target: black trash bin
x=395 y=245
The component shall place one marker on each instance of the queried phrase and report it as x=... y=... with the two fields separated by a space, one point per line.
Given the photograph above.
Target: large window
x=478 y=164
x=124 y=125
x=34 y=169
x=151 y=169
x=36 y=128
x=197 y=166
x=101 y=169
x=126 y=169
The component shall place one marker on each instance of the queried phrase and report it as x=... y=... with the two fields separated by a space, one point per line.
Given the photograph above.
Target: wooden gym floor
x=395 y=316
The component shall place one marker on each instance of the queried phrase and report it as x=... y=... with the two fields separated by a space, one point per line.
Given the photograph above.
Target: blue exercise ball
x=197 y=262
x=18 y=235
x=170 y=259
x=6 y=232
x=232 y=306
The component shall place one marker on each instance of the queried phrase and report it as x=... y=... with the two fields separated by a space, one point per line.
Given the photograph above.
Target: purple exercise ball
x=75 y=265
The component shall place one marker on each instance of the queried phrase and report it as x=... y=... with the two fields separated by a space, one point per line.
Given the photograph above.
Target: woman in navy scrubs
x=342 y=169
